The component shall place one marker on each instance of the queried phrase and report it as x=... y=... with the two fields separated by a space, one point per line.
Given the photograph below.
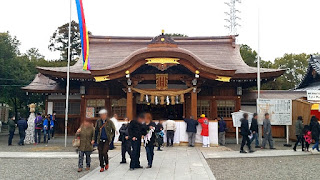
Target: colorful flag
x=83 y=35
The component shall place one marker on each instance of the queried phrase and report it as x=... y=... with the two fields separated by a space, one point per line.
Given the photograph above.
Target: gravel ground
x=55 y=145
x=271 y=168
x=45 y=169
x=278 y=144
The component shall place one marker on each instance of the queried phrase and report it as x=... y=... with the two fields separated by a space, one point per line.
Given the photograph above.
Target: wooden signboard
x=162 y=81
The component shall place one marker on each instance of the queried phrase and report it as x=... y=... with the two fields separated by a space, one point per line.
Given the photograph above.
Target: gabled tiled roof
x=219 y=53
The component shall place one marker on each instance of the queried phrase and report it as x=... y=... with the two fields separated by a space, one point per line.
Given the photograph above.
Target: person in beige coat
x=86 y=135
x=170 y=128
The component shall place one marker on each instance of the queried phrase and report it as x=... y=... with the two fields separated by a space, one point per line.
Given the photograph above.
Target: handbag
x=76 y=142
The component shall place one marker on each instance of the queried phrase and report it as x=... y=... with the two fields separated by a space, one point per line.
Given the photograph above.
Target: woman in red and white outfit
x=205 y=130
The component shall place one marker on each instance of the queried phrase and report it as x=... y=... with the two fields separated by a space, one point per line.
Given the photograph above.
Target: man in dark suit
x=255 y=130
x=245 y=132
x=136 y=130
x=22 y=125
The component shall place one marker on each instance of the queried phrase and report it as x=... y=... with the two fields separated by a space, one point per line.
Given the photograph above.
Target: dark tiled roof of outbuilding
x=252 y=95
x=42 y=83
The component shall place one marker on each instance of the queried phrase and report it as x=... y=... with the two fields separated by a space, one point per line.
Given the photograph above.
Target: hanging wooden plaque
x=162 y=81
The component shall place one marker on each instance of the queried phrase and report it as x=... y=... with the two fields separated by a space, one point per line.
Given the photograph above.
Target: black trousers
x=103 y=148
x=300 y=138
x=245 y=140
x=307 y=146
x=22 y=137
x=170 y=136
x=112 y=143
x=150 y=154
x=135 y=154
x=11 y=134
x=125 y=147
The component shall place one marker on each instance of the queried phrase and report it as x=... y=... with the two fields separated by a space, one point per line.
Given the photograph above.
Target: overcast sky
x=287 y=26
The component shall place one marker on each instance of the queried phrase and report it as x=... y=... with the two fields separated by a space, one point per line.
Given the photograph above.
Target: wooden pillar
x=108 y=102
x=129 y=104
x=82 y=109
x=214 y=108
x=46 y=106
x=194 y=104
x=238 y=104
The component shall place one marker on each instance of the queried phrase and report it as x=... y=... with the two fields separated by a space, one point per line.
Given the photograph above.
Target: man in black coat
x=22 y=125
x=245 y=132
x=191 y=130
x=255 y=130
x=124 y=138
x=136 y=130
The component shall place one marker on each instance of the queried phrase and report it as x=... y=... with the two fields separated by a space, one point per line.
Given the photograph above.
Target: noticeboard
x=280 y=111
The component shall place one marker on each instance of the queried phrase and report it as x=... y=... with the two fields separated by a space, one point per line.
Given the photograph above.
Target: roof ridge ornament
x=162 y=40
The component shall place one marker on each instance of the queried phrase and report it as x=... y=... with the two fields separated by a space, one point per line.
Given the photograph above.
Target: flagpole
x=258 y=68
x=68 y=82
x=258 y=62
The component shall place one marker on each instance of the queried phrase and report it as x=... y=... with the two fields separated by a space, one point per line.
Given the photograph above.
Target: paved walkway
x=171 y=164
x=49 y=155
x=260 y=153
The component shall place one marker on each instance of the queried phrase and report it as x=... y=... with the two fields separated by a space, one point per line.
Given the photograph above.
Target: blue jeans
x=316 y=145
x=255 y=136
x=45 y=134
x=81 y=157
x=52 y=131
x=37 y=135
x=150 y=153
x=11 y=133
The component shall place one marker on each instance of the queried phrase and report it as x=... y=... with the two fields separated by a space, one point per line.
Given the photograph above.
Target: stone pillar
x=129 y=104
x=194 y=104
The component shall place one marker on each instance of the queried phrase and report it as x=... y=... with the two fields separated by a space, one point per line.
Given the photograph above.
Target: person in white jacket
x=170 y=128
x=114 y=119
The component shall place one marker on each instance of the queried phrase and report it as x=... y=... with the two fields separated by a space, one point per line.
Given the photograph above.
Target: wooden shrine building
x=180 y=76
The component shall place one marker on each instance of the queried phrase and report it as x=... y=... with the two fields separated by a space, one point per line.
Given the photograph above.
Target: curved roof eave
x=143 y=53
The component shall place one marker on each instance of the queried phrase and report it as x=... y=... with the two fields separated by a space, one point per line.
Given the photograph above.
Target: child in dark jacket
x=307 y=136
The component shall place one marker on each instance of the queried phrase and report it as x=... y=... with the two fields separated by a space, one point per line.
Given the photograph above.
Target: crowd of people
x=306 y=133
x=132 y=134
x=249 y=134
x=44 y=126
x=144 y=129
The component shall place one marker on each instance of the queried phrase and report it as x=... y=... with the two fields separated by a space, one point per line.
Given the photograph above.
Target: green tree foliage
x=295 y=65
x=248 y=55
x=18 y=70
x=59 y=41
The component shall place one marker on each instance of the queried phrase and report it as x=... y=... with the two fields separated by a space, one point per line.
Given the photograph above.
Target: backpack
x=39 y=123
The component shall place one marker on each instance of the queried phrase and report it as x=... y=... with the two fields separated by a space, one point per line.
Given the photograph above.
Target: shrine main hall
x=178 y=76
